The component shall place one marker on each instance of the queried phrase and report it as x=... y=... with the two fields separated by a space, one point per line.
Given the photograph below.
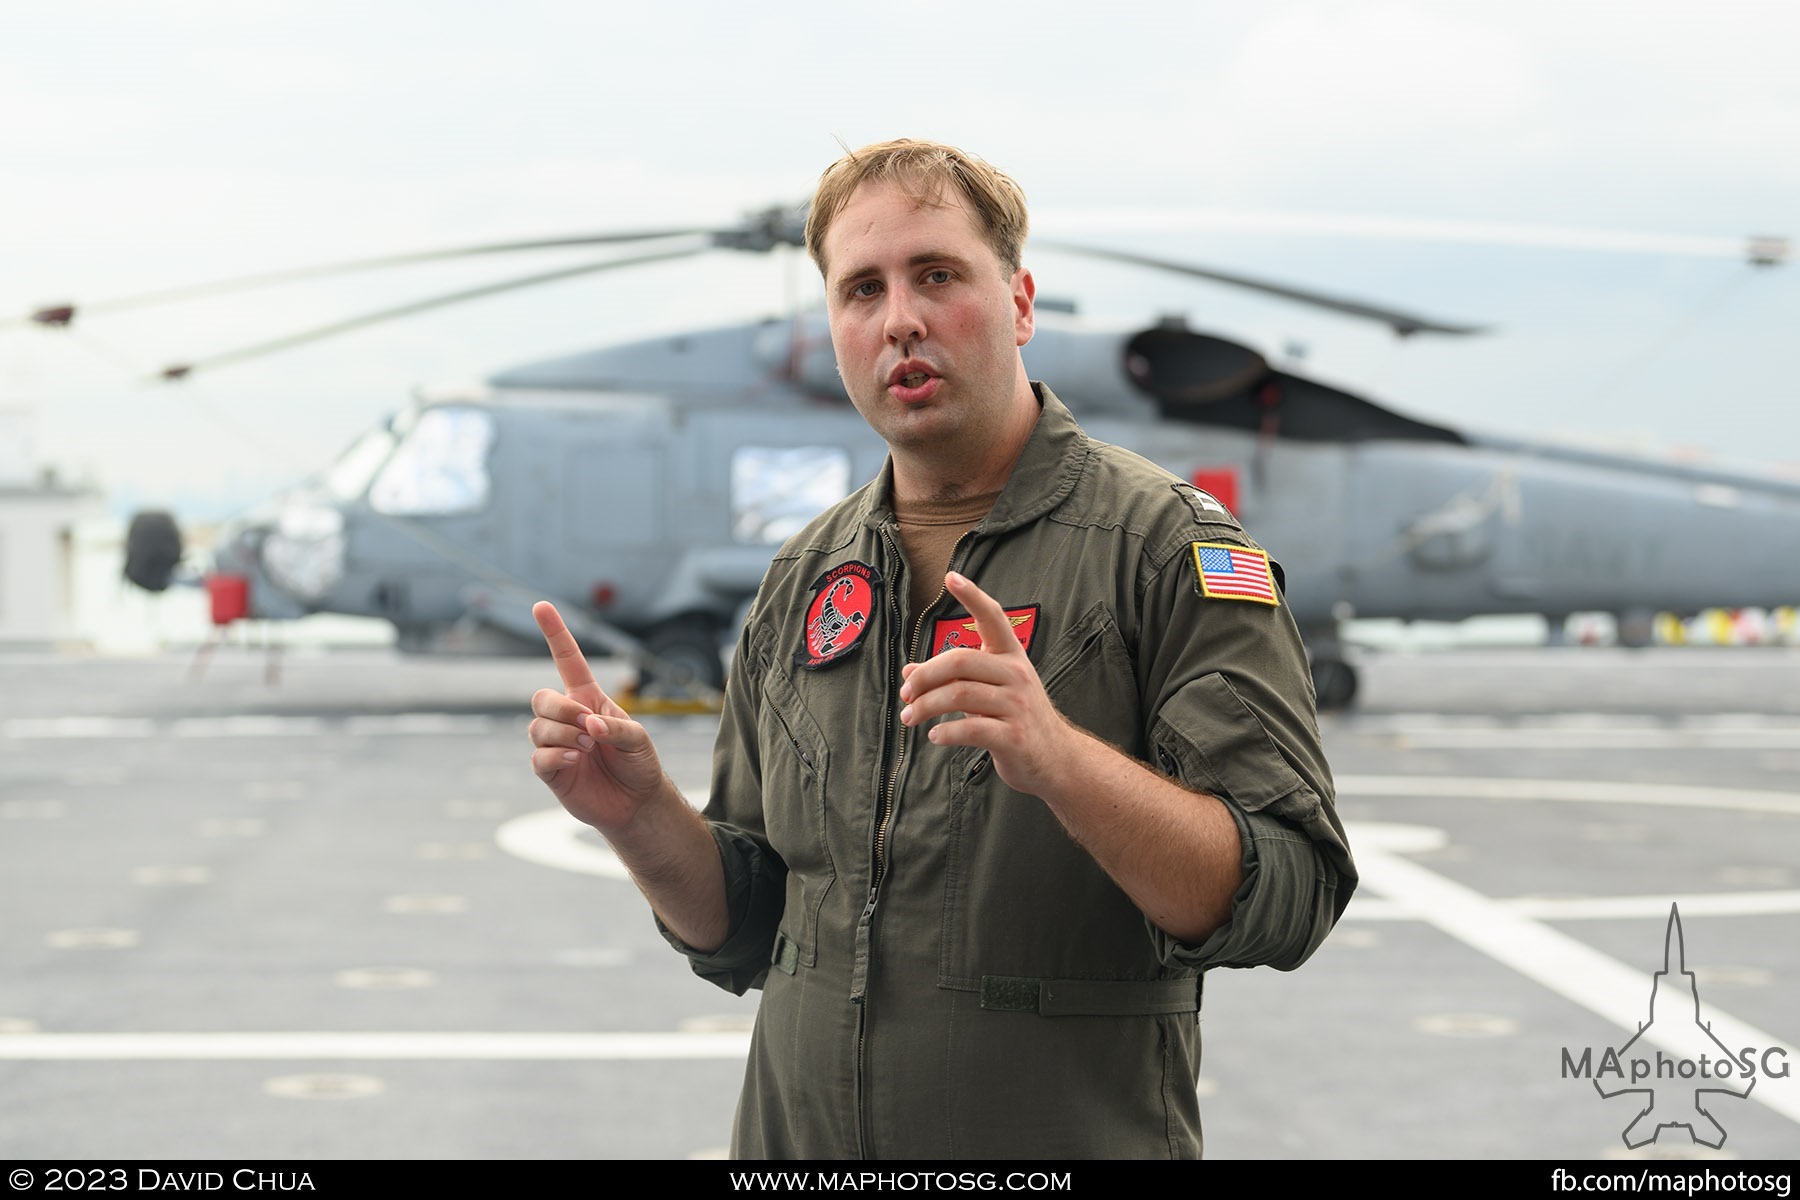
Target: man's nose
x=903 y=321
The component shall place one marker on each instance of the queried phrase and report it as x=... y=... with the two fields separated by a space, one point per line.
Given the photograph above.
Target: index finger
x=991 y=621
x=571 y=663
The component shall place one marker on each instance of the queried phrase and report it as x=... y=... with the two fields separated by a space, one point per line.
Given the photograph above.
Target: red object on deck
x=1221 y=483
x=230 y=596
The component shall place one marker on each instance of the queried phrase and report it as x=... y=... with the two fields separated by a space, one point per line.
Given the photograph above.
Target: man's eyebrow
x=920 y=259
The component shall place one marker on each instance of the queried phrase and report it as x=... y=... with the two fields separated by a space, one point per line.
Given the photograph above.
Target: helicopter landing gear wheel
x=1334 y=681
x=681 y=661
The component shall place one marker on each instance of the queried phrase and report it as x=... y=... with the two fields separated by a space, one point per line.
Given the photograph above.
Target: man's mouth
x=911 y=376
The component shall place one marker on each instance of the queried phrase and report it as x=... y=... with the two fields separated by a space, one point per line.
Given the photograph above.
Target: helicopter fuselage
x=652 y=509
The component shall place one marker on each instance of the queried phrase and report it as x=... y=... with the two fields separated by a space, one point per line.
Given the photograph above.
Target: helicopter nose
x=304 y=554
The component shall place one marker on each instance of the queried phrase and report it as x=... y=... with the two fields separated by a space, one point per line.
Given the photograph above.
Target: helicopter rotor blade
x=759 y=232
x=1404 y=324
x=184 y=370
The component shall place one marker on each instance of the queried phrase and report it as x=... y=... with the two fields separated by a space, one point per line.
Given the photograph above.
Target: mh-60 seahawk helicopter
x=712 y=446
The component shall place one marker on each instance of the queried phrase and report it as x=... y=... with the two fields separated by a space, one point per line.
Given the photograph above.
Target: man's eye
x=867 y=287
x=938 y=276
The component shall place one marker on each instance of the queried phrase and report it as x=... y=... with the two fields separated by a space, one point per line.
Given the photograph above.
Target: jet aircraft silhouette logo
x=1677 y=1080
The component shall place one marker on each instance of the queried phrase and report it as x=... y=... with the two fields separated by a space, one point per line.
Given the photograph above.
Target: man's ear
x=1024 y=295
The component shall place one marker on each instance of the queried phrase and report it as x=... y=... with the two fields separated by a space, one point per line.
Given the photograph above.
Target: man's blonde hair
x=922 y=170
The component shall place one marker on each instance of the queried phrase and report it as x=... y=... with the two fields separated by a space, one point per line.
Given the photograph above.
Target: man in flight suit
x=1018 y=741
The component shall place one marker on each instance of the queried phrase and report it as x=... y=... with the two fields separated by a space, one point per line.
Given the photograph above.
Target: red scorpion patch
x=839 y=616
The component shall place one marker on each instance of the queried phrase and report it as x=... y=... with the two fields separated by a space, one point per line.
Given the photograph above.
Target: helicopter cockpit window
x=350 y=476
x=440 y=467
x=776 y=490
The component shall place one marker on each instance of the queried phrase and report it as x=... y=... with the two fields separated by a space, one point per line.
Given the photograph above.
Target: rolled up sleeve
x=755 y=875
x=753 y=887
x=1234 y=718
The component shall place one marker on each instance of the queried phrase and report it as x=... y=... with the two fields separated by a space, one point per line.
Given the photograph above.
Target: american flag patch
x=1234 y=573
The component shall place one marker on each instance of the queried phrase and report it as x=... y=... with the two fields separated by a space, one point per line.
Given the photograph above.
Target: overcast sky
x=151 y=143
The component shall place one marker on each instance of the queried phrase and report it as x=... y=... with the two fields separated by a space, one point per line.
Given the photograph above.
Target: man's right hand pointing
x=597 y=760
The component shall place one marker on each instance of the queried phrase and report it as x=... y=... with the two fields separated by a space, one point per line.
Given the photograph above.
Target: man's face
x=926 y=324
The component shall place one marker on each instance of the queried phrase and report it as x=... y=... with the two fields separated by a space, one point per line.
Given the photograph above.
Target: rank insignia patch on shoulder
x=954 y=633
x=1234 y=573
x=838 y=618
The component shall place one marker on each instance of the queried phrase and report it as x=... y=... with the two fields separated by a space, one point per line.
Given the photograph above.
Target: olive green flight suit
x=945 y=973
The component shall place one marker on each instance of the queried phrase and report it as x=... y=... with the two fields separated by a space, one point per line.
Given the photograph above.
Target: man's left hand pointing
x=1005 y=708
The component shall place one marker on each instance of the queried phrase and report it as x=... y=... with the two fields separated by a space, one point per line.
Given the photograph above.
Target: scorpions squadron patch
x=839 y=616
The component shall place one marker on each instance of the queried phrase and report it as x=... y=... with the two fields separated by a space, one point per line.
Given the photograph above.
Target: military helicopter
x=449 y=518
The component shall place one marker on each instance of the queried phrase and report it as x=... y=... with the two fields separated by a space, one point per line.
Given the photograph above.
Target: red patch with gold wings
x=951 y=633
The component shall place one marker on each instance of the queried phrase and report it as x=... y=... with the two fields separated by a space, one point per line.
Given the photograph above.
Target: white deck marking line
x=1582 y=731
x=1571 y=969
x=423 y=724
x=1549 y=738
x=1401 y=721
x=624 y=1047
x=552 y=838
x=426 y=723
x=1603 y=908
x=1576 y=790
x=98 y=728
x=247 y=726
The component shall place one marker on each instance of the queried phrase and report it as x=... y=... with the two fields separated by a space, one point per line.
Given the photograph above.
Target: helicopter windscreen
x=440 y=468
x=776 y=490
x=349 y=477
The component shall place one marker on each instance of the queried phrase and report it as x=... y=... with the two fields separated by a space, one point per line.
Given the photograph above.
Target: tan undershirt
x=928 y=533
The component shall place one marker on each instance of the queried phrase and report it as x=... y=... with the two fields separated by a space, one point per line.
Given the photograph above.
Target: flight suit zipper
x=897 y=738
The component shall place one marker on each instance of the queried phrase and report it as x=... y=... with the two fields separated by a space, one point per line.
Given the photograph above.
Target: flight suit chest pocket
x=795 y=767
x=1088 y=673
x=1021 y=898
